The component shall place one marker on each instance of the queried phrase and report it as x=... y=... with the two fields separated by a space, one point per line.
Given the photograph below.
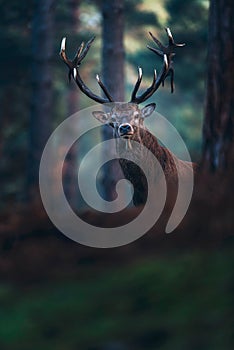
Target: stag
x=127 y=119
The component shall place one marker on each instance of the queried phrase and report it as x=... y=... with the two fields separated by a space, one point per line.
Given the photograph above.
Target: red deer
x=127 y=119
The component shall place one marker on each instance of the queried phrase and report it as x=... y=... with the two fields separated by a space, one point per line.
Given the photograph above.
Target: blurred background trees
x=40 y=124
x=218 y=127
x=162 y=291
x=31 y=110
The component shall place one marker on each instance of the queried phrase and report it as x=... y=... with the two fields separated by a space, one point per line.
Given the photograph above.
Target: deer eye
x=113 y=124
x=136 y=116
x=136 y=119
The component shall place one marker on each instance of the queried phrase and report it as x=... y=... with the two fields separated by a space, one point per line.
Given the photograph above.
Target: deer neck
x=146 y=140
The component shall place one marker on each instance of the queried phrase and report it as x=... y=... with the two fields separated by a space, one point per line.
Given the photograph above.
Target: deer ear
x=148 y=110
x=101 y=116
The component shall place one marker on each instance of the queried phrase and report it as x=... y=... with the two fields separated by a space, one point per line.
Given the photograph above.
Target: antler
x=74 y=65
x=154 y=86
x=167 y=52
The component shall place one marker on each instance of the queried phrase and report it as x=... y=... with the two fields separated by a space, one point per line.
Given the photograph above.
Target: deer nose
x=125 y=129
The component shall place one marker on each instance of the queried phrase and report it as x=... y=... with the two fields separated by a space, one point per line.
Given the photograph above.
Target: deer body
x=127 y=121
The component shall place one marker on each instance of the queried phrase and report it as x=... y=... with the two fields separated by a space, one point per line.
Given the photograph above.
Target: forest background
x=162 y=291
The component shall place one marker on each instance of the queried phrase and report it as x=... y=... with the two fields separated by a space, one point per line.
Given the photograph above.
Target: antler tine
x=172 y=79
x=110 y=98
x=169 y=51
x=159 y=52
x=84 y=51
x=79 y=56
x=65 y=59
x=73 y=66
x=157 y=81
x=137 y=85
x=84 y=88
x=171 y=39
x=63 y=53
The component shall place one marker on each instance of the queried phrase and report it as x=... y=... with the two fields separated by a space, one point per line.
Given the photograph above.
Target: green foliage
x=181 y=302
x=136 y=17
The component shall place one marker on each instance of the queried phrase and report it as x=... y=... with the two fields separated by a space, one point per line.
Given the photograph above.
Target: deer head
x=125 y=118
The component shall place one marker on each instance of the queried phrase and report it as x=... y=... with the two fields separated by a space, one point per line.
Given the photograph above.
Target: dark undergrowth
x=161 y=292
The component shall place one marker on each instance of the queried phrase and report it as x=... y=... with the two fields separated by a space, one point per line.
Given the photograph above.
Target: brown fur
x=170 y=165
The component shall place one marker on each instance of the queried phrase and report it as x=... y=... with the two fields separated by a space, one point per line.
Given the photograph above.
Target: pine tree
x=41 y=110
x=218 y=128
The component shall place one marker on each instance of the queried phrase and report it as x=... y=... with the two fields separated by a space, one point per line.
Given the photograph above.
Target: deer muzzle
x=125 y=130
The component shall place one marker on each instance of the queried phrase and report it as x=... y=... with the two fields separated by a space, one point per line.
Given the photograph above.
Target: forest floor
x=162 y=291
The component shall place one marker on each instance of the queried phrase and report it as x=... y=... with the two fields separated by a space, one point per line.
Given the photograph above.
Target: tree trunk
x=218 y=128
x=113 y=77
x=113 y=48
x=41 y=109
x=70 y=172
